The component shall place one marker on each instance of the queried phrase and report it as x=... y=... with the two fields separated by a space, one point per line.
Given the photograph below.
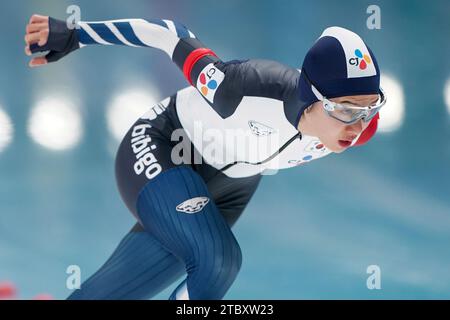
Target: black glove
x=61 y=41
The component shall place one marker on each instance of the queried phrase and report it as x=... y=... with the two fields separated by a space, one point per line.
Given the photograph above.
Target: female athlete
x=188 y=167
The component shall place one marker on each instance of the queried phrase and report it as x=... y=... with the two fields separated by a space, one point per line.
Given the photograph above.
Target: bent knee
x=220 y=268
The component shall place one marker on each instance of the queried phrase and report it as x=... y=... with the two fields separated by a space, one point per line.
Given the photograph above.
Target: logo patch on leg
x=193 y=205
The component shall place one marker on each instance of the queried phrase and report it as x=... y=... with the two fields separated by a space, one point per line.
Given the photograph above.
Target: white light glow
x=6 y=130
x=393 y=113
x=447 y=94
x=55 y=123
x=126 y=108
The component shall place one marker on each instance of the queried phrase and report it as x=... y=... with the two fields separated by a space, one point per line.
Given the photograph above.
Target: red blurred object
x=7 y=290
x=43 y=296
x=369 y=131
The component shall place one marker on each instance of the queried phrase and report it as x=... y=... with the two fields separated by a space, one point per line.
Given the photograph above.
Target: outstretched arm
x=44 y=33
x=222 y=84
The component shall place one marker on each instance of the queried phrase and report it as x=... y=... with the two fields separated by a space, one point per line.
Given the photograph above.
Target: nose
x=356 y=127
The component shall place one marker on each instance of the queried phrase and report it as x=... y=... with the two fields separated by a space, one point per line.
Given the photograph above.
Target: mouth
x=344 y=143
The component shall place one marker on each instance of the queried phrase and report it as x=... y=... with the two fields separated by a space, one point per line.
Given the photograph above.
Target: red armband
x=192 y=59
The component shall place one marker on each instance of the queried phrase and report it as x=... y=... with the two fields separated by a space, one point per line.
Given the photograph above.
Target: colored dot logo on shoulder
x=209 y=80
x=211 y=84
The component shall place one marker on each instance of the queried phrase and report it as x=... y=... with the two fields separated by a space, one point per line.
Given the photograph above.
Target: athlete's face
x=332 y=132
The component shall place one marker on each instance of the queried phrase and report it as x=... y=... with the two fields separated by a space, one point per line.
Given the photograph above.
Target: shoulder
x=260 y=77
x=260 y=69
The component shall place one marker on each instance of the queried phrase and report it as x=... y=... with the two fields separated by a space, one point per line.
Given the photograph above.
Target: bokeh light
x=126 y=107
x=6 y=130
x=393 y=113
x=447 y=94
x=55 y=123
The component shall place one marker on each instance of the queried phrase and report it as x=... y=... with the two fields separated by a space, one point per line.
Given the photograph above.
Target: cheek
x=331 y=127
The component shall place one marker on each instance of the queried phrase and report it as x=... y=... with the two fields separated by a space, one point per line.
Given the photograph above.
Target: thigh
x=232 y=195
x=177 y=208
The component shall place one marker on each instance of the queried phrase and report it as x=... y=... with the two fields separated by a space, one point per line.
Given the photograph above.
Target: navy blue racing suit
x=184 y=196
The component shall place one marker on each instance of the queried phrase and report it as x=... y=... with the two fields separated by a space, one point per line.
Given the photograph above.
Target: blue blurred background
x=310 y=232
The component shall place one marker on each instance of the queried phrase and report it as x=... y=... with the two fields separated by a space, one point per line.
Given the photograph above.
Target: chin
x=340 y=150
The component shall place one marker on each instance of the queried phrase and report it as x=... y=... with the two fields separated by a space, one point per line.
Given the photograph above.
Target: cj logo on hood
x=360 y=60
x=260 y=129
x=193 y=205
